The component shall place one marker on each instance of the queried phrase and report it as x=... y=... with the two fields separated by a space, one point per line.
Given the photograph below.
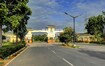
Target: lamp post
x=74 y=17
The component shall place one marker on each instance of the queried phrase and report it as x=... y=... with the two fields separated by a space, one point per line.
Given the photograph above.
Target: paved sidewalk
x=93 y=47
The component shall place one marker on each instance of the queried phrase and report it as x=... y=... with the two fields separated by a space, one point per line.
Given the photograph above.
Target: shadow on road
x=97 y=54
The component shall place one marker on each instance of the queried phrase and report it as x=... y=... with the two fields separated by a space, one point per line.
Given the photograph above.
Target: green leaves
x=95 y=26
x=23 y=11
x=67 y=35
x=14 y=20
x=42 y=38
x=3 y=11
x=68 y=30
x=14 y=15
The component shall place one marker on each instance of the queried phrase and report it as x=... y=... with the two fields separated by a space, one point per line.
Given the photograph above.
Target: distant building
x=10 y=37
x=83 y=37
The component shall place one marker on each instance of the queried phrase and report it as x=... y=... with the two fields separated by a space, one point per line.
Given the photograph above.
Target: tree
x=3 y=16
x=66 y=36
x=95 y=26
x=21 y=31
x=18 y=17
x=3 y=37
x=24 y=12
x=14 y=15
x=40 y=38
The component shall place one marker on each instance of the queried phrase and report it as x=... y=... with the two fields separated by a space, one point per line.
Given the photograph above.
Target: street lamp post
x=74 y=17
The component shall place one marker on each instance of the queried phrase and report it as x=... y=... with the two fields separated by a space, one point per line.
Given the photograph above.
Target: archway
x=51 y=31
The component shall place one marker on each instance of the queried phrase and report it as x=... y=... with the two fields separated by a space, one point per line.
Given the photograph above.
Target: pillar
x=28 y=38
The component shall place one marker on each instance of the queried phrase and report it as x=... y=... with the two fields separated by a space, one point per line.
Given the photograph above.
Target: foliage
x=66 y=36
x=3 y=12
x=12 y=48
x=95 y=26
x=3 y=16
x=14 y=14
x=3 y=37
x=20 y=9
x=14 y=20
x=7 y=43
x=40 y=38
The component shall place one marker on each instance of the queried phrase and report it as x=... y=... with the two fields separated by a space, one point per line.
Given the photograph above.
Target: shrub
x=3 y=37
x=66 y=36
x=10 y=49
x=40 y=38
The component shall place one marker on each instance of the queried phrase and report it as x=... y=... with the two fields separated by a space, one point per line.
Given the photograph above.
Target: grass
x=1 y=62
x=6 y=44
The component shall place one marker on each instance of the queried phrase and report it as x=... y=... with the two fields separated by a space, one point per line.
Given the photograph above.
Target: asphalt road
x=51 y=55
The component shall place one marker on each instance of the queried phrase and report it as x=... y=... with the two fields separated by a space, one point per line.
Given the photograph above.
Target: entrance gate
x=51 y=32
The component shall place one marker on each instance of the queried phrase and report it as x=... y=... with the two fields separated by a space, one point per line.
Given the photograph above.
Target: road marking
x=67 y=62
x=62 y=58
x=54 y=52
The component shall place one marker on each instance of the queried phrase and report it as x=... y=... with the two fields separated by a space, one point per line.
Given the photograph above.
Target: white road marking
x=67 y=62
x=62 y=58
x=54 y=52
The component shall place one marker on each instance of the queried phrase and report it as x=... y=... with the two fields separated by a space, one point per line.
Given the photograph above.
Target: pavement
x=92 y=47
x=43 y=54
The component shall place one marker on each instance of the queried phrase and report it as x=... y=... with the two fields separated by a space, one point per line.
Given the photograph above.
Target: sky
x=51 y=12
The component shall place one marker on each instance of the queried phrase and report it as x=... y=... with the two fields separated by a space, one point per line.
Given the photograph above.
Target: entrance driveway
x=43 y=54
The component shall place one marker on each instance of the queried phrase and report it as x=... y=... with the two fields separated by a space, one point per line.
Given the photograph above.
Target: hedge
x=8 y=50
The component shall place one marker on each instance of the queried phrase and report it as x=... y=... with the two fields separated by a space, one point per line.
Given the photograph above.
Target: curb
x=19 y=52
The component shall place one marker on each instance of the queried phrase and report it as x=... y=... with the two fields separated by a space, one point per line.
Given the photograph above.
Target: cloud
x=44 y=13
x=43 y=7
x=92 y=8
x=50 y=12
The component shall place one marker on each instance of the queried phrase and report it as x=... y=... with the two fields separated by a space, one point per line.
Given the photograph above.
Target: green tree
x=24 y=11
x=40 y=38
x=18 y=16
x=66 y=36
x=3 y=37
x=3 y=16
x=95 y=26
x=14 y=15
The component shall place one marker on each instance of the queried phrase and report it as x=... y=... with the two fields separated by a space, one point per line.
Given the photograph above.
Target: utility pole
x=74 y=17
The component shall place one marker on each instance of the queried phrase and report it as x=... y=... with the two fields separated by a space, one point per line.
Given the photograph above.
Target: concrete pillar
x=51 y=34
x=28 y=38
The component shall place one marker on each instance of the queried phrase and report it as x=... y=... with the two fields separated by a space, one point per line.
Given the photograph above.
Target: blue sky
x=51 y=12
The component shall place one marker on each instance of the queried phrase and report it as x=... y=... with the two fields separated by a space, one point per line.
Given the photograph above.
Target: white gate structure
x=51 y=33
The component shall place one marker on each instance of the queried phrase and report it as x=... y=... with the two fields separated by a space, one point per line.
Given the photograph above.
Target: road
x=42 y=54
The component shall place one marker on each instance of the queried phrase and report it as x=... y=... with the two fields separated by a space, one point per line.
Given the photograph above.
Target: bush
x=66 y=36
x=10 y=49
x=3 y=37
x=42 y=38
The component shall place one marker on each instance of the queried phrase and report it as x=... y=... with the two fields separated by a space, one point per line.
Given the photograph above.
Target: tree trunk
x=16 y=39
x=17 y=36
x=0 y=34
x=21 y=39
